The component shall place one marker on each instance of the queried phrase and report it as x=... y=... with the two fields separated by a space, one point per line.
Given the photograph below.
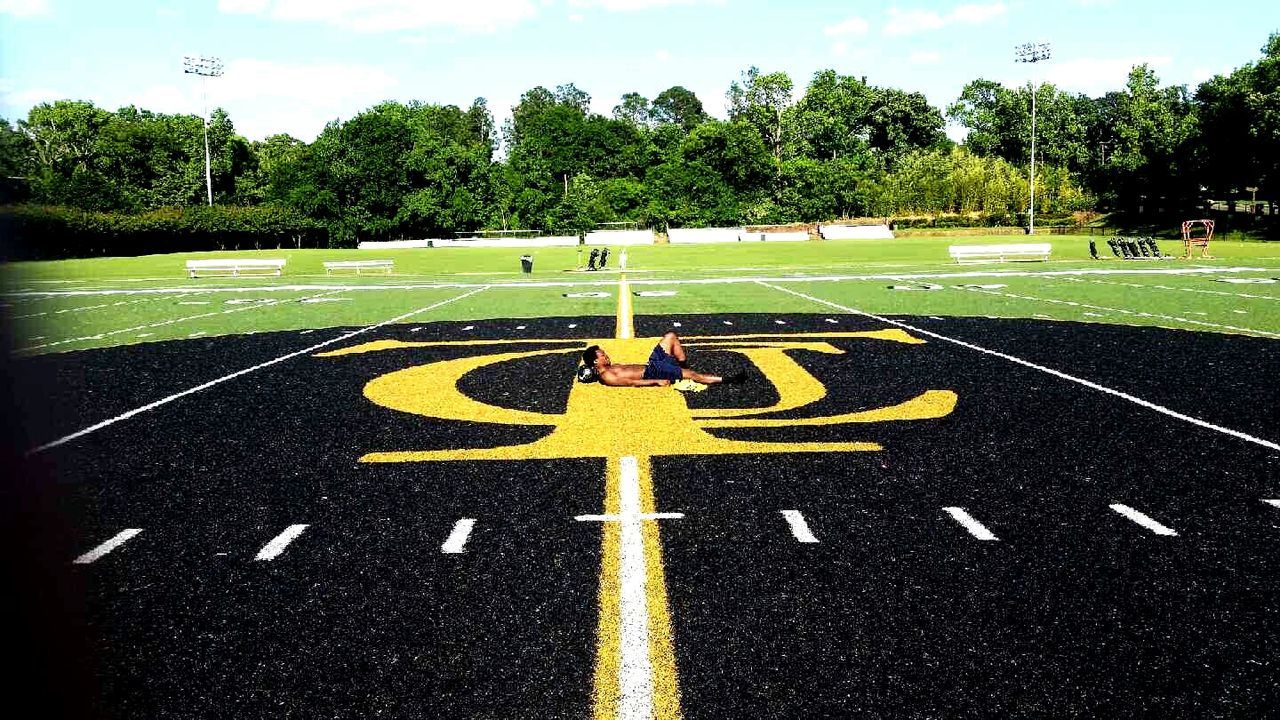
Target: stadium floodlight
x=205 y=67
x=1033 y=53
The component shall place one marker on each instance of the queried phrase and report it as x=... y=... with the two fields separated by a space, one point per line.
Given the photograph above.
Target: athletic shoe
x=688 y=386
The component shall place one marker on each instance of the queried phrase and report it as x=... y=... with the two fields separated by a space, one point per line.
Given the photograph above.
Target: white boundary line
x=1056 y=373
x=1177 y=289
x=120 y=538
x=658 y=281
x=171 y=321
x=84 y=308
x=1135 y=313
x=1144 y=520
x=238 y=373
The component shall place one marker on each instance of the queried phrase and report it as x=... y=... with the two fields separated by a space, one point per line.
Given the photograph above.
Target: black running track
x=897 y=611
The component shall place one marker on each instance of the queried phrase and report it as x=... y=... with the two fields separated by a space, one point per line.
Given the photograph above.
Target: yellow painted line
x=626 y=320
x=662 y=656
x=635 y=672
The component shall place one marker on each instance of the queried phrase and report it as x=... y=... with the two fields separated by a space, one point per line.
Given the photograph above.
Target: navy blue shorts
x=662 y=366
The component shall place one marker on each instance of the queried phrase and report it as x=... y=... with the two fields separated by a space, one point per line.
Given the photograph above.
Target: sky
x=293 y=65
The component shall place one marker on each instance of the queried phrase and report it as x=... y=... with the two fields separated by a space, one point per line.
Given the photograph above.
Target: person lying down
x=668 y=365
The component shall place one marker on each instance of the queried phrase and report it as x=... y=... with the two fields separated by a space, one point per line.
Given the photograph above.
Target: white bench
x=1000 y=253
x=359 y=265
x=235 y=267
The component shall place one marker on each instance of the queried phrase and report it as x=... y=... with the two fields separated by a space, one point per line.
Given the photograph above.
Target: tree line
x=844 y=148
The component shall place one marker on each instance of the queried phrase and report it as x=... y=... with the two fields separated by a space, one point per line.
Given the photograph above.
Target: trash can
x=526 y=263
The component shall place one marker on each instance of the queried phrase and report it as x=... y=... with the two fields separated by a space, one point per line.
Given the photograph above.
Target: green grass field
x=79 y=304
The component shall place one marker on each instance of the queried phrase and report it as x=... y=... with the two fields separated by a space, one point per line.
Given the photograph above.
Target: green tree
x=900 y=122
x=1153 y=126
x=634 y=109
x=832 y=120
x=760 y=101
x=64 y=137
x=15 y=151
x=680 y=107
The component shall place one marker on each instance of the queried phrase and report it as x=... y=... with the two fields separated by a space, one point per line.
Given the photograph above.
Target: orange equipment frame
x=1200 y=241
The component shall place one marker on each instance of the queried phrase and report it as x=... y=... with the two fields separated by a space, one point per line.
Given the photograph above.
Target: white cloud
x=852 y=26
x=978 y=14
x=910 y=22
x=663 y=55
x=839 y=48
x=265 y=97
x=23 y=100
x=24 y=8
x=248 y=7
x=925 y=57
x=1202 y=74
x=633 y=5
x=577 y=17
x=388 y=15
x=1095 y=76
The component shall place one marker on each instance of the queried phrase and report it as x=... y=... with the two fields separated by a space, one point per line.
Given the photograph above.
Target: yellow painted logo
x=635 y=673
x=609 y=422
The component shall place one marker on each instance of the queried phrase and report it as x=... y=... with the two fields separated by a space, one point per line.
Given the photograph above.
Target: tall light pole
x=205 y=67
x=1033 y=53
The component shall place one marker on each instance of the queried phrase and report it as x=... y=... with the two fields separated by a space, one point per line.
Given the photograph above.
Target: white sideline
x=238 y=373
x=1026 y=363
x=162 y=323
x=1135 y=313
x=642 y=281
x=1178 y=289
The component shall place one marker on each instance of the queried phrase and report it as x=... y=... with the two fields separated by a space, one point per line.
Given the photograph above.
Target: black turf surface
x=897 y=612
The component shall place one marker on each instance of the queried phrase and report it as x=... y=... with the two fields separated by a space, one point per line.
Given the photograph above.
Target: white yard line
x=636 y=671
x=799 y=528
x=272 y=550
x=162 y=323
x=1176 y=289
x=974 y=527
x=457 y=540
x=635 y=667
x=1135 y=313
x=84 y=308
x=203 y=386
x=1056 y=373
x=643 y=281
x=121 y=538
x=1143 y=520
